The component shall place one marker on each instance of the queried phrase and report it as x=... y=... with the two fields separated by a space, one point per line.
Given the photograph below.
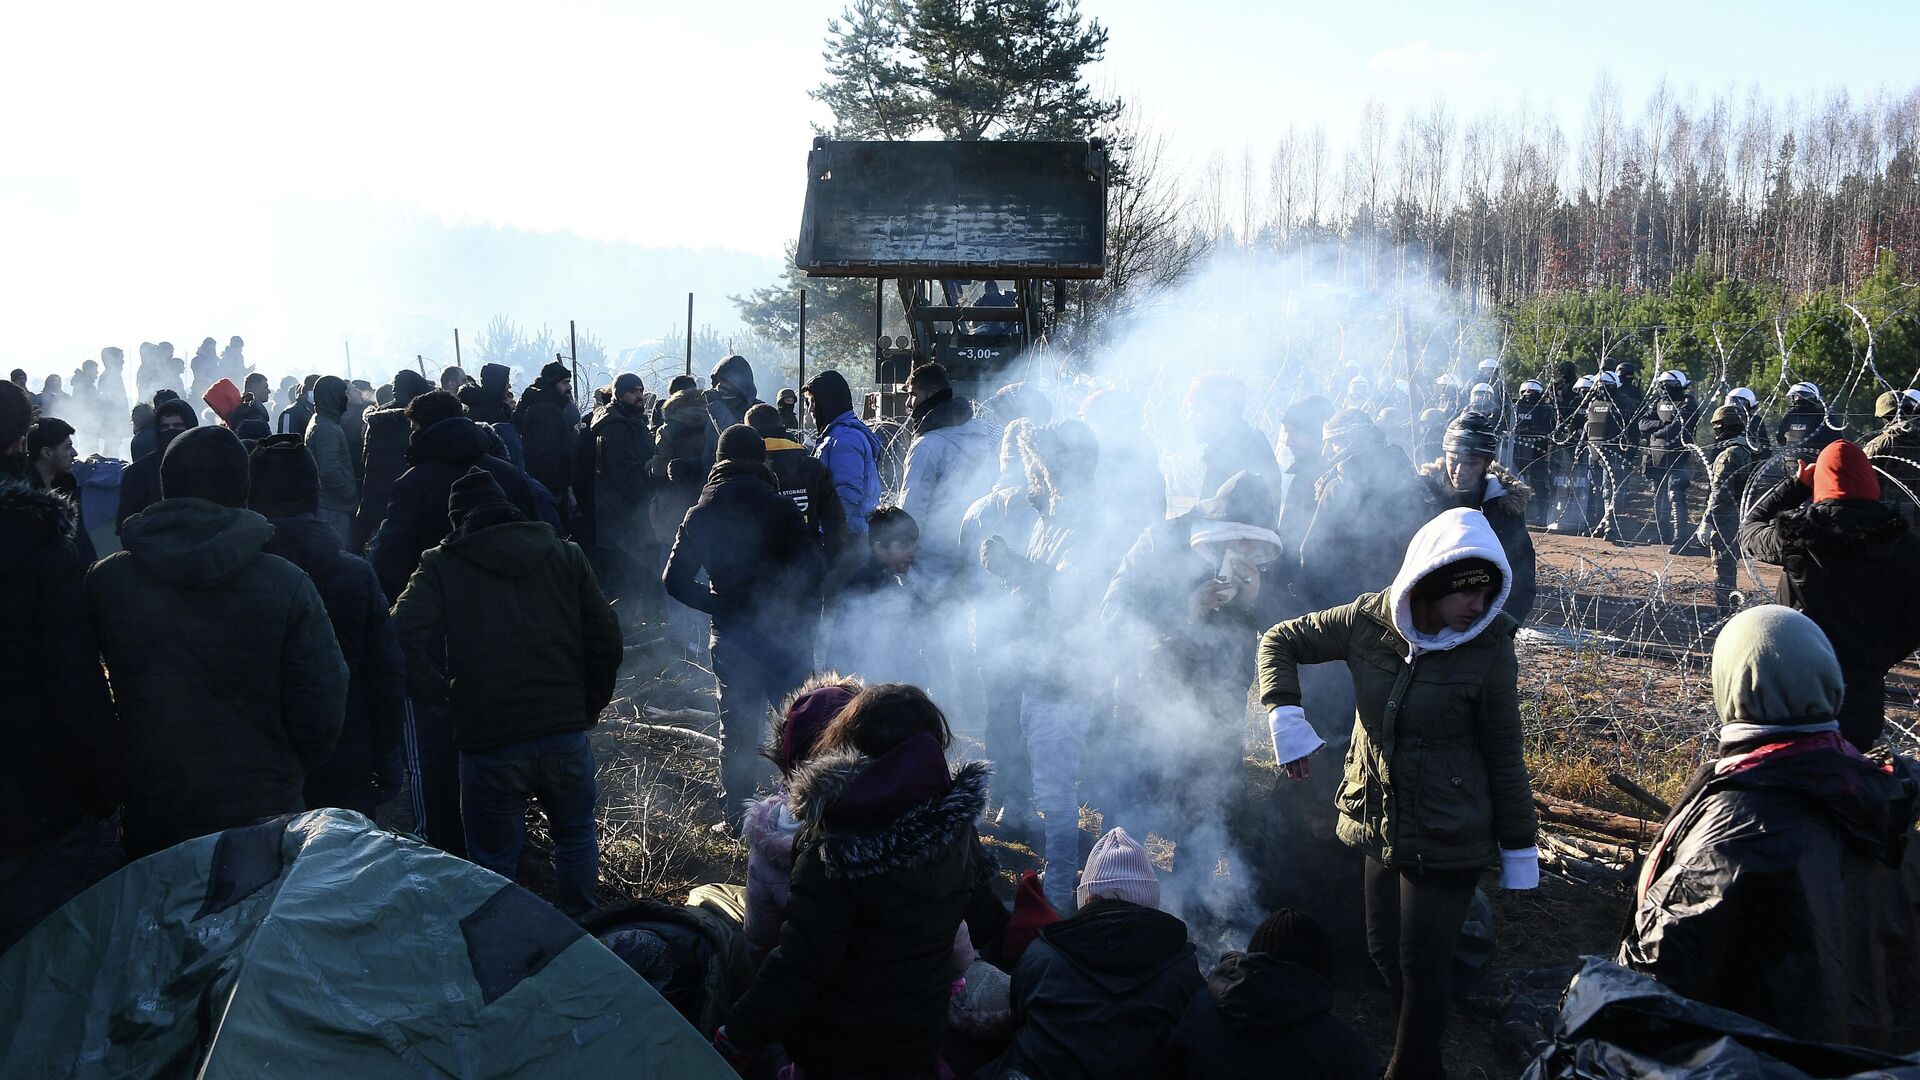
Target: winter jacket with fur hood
x=63 y=755
x=1504 y=498
x=769 y=830
x=223 y=666
x=886 y=863
x=1434 y=775
x=1096 y=996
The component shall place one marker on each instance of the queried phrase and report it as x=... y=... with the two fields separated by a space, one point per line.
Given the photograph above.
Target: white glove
x=1520 y=870
x=1293 y=737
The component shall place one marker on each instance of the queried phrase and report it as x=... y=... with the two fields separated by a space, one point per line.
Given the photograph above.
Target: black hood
x=493 y=378
x=30 y=518
x=455 y=439
x=832 y=398
x=734 y=378
x=1255 y=992
x=407 y=385
x=330 y=396
x=303 y=540
x=1120 y=945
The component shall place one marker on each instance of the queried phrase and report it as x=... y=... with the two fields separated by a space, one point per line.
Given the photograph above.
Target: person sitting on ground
x=1775 y=888
x=770 y=826
x=1097 y=995
x=223 y=666
x=1271 y=1004
x=1848 y=562
x=874 y=616
x=886 y=863
x=531 y=652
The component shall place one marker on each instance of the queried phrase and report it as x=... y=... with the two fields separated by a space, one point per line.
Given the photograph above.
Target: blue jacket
x=851 y=452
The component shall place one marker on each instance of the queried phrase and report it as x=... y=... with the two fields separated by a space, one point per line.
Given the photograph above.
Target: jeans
x=557 y=770
x=1056 y=731
x=1413 y=923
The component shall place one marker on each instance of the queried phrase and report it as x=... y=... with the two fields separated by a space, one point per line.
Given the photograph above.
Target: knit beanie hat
x=1458 y=577
x=474 y=491
x=432 y=407
x=626 y=383
x=554 y=373
x=1773 y=667
x=1118 y=869
x=1346 y=423
x=1843 y=472
x=252 y=430
x=1294 y=936
x=807 y=718
x=742 y=443
x=286 y=482
x=205 y=463
x=1031 y=914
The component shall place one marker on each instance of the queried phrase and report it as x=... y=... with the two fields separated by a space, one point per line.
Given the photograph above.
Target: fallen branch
x=672 y=728
x=1604 y=822
x=682 y=716
x=1641 y=795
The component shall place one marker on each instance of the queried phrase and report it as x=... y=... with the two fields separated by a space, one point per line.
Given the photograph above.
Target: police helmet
x=1584 y=382
x=1609 y=378
x=1531 y=386
x=1743 y=397
x=1806 y=391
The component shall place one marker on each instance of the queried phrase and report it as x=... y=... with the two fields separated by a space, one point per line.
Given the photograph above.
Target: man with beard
x=545 y=419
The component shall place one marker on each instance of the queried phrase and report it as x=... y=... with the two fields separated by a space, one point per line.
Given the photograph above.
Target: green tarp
x=320 y=945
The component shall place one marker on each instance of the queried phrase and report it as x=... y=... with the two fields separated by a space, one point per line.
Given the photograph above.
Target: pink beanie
x=1118 y=869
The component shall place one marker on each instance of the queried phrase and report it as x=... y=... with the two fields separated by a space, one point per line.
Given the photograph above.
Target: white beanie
x=1118 y=869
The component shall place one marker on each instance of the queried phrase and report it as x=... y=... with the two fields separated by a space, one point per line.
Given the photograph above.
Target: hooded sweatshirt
x=331 y=449
x=1455 y=535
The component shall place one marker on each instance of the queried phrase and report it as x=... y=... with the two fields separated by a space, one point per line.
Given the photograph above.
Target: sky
x=314 y=175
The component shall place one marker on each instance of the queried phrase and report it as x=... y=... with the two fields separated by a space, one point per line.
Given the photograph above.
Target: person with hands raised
x=1435 y=788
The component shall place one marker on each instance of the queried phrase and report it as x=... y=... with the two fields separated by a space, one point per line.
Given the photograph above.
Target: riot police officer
x=1758 y=440
x=1804 y=430
x=1533 y=457
x=1666 y=430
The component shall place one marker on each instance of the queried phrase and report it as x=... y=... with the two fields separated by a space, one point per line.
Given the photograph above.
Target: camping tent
x=320 y=945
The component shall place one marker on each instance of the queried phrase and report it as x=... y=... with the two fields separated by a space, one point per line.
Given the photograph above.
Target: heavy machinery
x=971 y=234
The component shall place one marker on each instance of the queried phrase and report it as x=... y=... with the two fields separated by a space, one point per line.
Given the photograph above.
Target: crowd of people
x=432 y=589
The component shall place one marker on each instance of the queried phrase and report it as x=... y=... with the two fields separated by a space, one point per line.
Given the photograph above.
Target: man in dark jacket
x=443 y=445
x=487 y=402
x=285 y=489
x=1469 y=476
x=728 y=400
x=1228 y=444
x=140 y=483
x=332 y=454
x=293 y=419
x=224 y=668
x=1847 y=561
x=531 y=650
x=763 y=574
x=63 y=772
x=1096 y=996
x=1268 y=1005
x=1776 y=889
x=802 y=478
x=622 y=502
x=545 y=419
x=1368 y=503
x=1300 y=428
x=385 y=457
x=1733 y=460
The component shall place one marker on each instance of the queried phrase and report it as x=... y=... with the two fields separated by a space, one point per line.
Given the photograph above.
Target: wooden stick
x=1601 y=821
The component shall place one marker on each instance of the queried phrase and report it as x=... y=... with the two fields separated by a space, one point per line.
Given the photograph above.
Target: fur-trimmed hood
x=769 y=828
x=33 y=517
x=868 y=816
x=1501 y=484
